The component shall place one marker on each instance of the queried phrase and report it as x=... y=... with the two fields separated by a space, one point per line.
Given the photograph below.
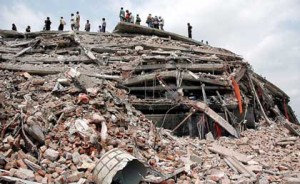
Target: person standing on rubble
x=127 y=16
x=122 y=15
x=62 y=23
x=149 y=20
x=100 y=29
x=14 y=27
x=131 y=18
x=28 y=29
x=72 y=22
x=87 y=27
x=155 y=22
x=77 y=21
x=161 y=22
x=47 y=24
x=138 y=20
x=103 y=25
x=189 y=30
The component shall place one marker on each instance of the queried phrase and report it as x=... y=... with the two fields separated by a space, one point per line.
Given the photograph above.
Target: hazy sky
x=265 y=32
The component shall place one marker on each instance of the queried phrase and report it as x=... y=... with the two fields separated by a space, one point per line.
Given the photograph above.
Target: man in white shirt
x=161 y=23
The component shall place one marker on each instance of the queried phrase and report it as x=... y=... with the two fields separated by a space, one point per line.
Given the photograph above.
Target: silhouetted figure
x=206 y=42
x=62 y=23
x=28 y=29
x=14 y=27
x=100 y=29
x=189 y=30
x=103 y=25
x=87 y=27
x=72 y=21
x=47 y=24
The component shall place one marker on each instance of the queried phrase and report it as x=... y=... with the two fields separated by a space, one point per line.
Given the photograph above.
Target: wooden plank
x=172 y=74
x=192 y=67
x=228 y=152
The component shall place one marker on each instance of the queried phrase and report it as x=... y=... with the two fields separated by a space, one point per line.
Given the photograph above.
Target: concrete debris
x=142 y=107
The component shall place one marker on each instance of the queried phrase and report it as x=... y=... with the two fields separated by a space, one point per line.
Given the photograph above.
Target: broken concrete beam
x=239 y=166
x=11 y=34
x=215 y=116
x=59 y=59
x=160 y=88
x=228 y=152
x=124 y=27
x=196 y=51
x=31 y=69
x=172 y=74
x=194 y=67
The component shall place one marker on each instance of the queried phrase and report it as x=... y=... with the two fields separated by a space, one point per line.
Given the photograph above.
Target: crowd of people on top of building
x=74 y=24
x=152 y=22
x=125 y=16
x=155 y=22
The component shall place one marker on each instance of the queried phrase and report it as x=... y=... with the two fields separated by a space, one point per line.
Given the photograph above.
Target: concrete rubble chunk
x=51 y=154
x=25 y=174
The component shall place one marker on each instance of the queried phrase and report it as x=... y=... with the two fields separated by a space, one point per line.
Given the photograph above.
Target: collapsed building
x=174 y=104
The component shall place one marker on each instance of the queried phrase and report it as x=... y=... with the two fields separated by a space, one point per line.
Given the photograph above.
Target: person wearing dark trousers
x=28 y=29
x=103 y=25
x=189 y=30
x=62 y=23
x=14 y=27
x=47 y=24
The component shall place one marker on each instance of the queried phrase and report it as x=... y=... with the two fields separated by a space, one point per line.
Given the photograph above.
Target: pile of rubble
x=69 y=101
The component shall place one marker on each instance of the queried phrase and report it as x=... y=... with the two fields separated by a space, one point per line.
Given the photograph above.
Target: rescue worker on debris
x=127 y=16
x=131 y=17
x=72 y=22
x=138 y=20
x=47 y=24
x=149 y=20
x=103 y=25
x=122 y=15
x=14 y=27
x=161 y=23
x=62 y=23
x=28 y=29
x=100 y=29
x=87 y=27
x=77 y=21
x=189 y=30
x=155 y=22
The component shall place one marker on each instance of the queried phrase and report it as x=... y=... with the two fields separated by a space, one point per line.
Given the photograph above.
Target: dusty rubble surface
x=66 y=99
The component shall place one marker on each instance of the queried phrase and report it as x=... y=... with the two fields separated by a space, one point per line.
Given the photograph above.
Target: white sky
x=265 y=32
